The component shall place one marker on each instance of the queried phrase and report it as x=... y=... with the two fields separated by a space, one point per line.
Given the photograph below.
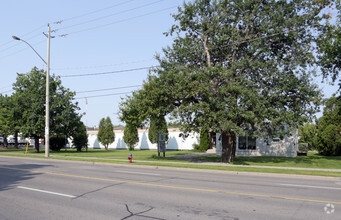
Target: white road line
x=308 y=186
x=49 y=192
x=151 y=174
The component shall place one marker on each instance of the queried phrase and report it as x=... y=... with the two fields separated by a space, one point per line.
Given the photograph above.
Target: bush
x=57 y=143
x=329 y=141
x=196 y=147
x=328 y=138
x=80 y=137
x=204 y=141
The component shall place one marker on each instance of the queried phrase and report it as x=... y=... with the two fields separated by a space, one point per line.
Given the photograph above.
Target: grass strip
x=189 y=165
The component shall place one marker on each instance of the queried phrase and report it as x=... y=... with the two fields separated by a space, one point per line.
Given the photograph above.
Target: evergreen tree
x=157 y=125
x=80 y=137
x=106 y=133
x=131 y=136
x=204 y=140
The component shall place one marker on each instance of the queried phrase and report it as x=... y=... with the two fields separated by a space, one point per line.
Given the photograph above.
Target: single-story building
x=175 y=140
x=246 y=145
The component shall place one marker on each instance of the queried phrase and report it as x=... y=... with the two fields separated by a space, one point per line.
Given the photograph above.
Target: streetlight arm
x=17 y=38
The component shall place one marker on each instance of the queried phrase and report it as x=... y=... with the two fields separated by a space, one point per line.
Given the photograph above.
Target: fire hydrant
x=130 y=158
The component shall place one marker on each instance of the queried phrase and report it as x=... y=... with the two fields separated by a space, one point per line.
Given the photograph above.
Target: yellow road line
x=173 y=187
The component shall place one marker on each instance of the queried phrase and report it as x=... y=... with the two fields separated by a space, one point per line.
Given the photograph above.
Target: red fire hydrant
x=130 y=158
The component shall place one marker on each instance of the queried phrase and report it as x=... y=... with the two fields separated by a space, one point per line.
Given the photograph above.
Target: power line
x=11 y=41
x=5 y=87
x=110 y=15
x=108 y=65
x=92 y=12
x=40 y=42
x=7 y=91
x=19 y=42
x=106 y=73
x=96 y=96
x=99 y=90
x=120 y=21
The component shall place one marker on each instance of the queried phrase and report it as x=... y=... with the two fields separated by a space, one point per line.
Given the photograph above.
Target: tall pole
x=47 y=105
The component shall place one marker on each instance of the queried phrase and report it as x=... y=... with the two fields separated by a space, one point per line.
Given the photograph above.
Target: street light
x=17 y=38
x=47 y=105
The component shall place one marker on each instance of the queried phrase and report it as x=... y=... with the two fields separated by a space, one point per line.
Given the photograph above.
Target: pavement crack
x=139 y=214
x=97 y=190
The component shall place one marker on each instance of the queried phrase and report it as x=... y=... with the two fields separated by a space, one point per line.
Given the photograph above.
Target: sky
x=118 y=38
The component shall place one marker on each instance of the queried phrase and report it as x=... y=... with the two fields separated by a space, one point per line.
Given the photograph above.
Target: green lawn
x=313 y=160
x=149 y=155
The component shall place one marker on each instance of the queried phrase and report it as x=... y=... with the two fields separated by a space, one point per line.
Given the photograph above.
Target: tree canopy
x=330 y=47
x=106 y=133
x=30 y=98
x=236 y=67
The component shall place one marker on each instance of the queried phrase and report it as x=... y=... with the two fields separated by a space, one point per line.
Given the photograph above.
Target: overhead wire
x=116 y=22
x=40 y=42
x=96 y=96
x=7 y=91
x=92 y=12
x=106 y=73
x=100 y=90
x=110 y=15
x=97 y=67
x=28 y=33
x=96 y=90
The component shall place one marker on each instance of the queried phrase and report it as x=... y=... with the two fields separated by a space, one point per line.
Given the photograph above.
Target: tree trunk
x=212 y=139
x=228 y=145
x=5 y=141
x=234 y=146
x=36 y=143
x=16 y=140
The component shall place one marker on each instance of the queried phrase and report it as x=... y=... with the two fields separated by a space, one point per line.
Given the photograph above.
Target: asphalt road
x=50 y=189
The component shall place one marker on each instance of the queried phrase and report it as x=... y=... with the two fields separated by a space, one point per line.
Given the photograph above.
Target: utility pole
x=47 y=105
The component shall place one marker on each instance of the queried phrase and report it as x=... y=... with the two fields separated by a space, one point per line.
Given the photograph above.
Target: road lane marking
x=150 y=174
x=173 y=187
x=308 y=186
x=48 y=192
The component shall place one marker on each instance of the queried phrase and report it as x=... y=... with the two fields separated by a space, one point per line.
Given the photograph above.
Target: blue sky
x=92 y=37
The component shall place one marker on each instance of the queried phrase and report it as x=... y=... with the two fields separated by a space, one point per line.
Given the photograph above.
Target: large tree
x=29 y=90
x=238 y=67
x=106 y=133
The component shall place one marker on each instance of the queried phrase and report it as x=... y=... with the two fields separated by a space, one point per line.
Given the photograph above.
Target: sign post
x=161 y=144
